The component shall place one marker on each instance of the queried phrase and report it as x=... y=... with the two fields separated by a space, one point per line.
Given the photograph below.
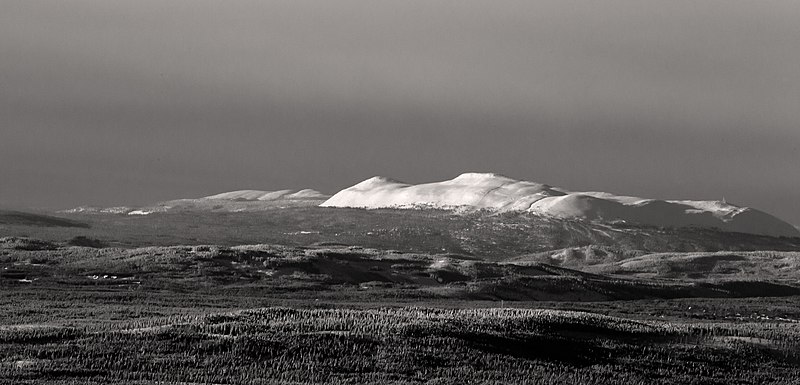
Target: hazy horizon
x=111 y=103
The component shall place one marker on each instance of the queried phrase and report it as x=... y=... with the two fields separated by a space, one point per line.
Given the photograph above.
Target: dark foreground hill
x=22 y=219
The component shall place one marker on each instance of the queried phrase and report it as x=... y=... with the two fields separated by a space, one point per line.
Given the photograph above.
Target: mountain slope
x=233 y=201
x=724 y=264
x=257 y=195
x=503 y=194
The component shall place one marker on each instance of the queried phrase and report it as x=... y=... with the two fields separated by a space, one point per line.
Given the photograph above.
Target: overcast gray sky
x=132 y=102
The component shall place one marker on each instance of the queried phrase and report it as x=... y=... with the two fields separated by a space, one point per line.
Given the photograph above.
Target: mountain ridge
x=232 y=201
x=493 y=193
x=503 y=194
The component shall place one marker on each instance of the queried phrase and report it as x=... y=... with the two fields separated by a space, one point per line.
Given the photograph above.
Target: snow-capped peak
x=502 y=194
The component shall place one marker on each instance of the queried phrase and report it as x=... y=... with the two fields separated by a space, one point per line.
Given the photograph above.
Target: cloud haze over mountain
x=132 y=102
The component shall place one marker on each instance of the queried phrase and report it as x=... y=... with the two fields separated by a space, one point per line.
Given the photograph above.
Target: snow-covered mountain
x=234 y=201
x=499 y=193
x=257 y=195
x=491 y=192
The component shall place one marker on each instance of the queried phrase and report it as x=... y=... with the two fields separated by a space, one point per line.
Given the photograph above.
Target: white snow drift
x=500 y=193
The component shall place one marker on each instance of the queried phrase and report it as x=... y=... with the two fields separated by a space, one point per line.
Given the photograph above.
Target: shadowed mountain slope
x=19 y=218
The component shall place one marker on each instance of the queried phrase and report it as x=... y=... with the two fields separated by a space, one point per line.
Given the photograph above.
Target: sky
x=134 y=102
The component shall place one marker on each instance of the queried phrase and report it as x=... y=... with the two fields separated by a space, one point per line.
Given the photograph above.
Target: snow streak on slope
x=500 y=193
x=257 y=195
x=243 y=201
x=234 y=201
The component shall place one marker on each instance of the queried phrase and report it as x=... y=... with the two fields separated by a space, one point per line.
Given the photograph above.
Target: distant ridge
x=13 y=217
x=233 y=201
x=486 y=191
x=503 y=194
x=258 y=195
x=239 y=201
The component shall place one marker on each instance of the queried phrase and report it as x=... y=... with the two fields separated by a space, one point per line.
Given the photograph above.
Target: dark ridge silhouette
x=10 y=217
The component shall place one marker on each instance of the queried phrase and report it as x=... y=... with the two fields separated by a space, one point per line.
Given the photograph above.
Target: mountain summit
x=503 y=194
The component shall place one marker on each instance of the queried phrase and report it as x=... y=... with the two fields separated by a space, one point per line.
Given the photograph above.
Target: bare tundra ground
x=411 y=298
x=273 y=314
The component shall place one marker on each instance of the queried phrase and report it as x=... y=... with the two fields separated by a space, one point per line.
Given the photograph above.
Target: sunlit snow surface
x=499 y=193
